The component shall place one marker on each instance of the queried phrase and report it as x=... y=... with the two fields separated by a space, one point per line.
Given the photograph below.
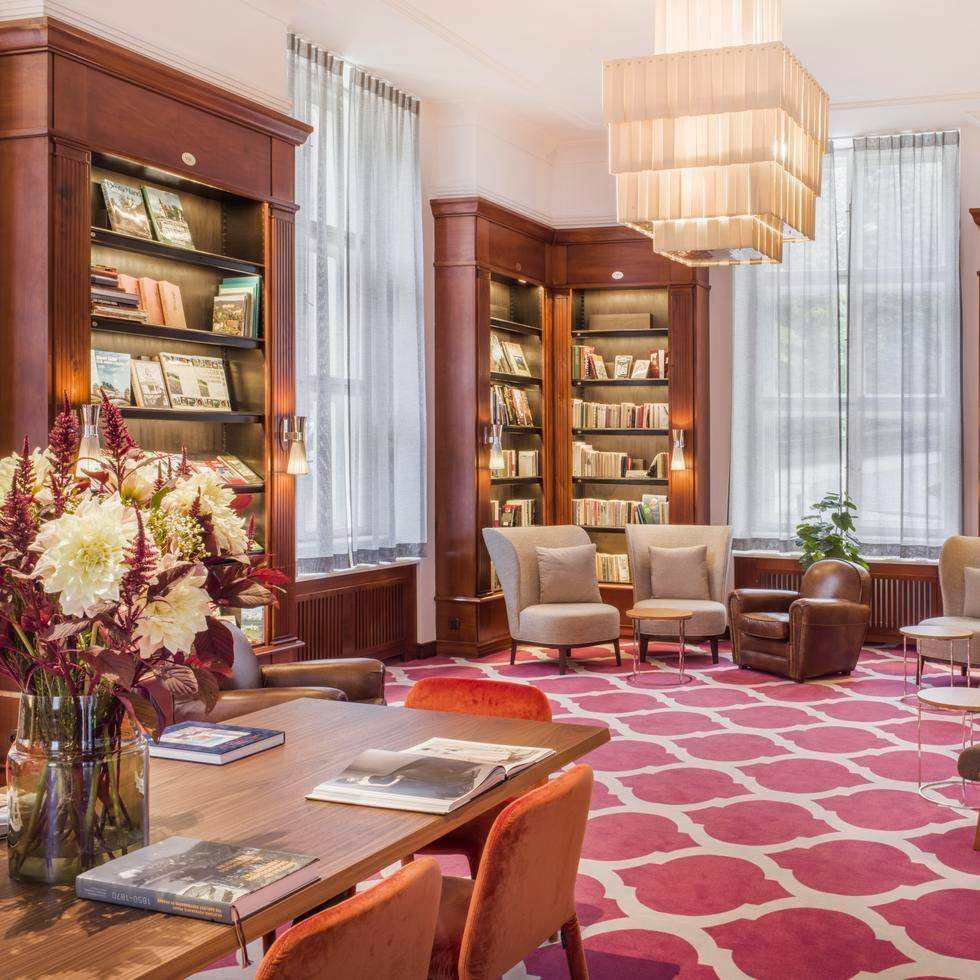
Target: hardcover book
x=622 y=365
x=171 y=304
x=231 y=315
x=149 y=387
x=515 y=354
x=245 y=473
x=149 y=292
x=252 y=285
x=196 y=382
x=200 y=879
x=167 y=217
x=124 y=205
x=111 y=373
x=216 y=745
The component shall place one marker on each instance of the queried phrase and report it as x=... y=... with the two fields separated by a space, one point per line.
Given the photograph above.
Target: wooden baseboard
x=424 y=650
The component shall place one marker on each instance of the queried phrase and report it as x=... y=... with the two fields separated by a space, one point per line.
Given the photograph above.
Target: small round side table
x=934 y=631
x=966 y=701
x=680 y=616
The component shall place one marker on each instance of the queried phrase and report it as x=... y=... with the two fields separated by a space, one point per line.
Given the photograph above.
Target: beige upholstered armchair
x=710 y=614
x=958 y=554
x=562 y=625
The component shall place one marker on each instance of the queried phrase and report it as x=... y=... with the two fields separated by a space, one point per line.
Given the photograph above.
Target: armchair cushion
x=569 y=623
x=568 y=574
x=360 y=678
x=768 y=625
x=710 y=618
x=679 y=573
x=971 y=593
x=963 y=652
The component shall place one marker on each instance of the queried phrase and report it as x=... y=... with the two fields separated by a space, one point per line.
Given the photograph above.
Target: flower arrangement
x=111 y=574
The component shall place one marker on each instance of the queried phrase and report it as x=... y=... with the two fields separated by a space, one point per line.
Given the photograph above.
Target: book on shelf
x=515 y=355
x=514 y=404
x=245 y=474
x=624 y=415
x=213 y=744
x=641 y=369
x=128 y=284
x=230 y=316
x=125 y=208
x=659 y=363
x=172 y=304
x=660 y=467
x=114 y=296
x=515 y=512
x=104 y=275
x=524 y=462
x=111 y=373
x=167 y=218
x=622 y=365
x=436 y=776
x=579 y=360
x=149 y=386
x=196 y=382
x=595 y=368
x=250 y=286
x=613 y=568
x=149 y=293
x=119 y=313
x=199 y=879
x=590 y=462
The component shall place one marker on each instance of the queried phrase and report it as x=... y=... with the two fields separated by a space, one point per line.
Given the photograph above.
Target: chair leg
x=562 y=659
x=714 y=649
x=918 y=671
x=513 y=652
x=571 y=939
x=644 y=642
x=267 y=940
x=619 y=659
x=407 y=860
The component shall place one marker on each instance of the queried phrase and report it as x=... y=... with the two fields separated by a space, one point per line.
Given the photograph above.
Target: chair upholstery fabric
x=498 y=699
x=568 y=623
x=568 y=574
x=386 y=931
x=679 y=573
x=958 y=553
x=815 y=632
x=525 y=889
x=710 y=618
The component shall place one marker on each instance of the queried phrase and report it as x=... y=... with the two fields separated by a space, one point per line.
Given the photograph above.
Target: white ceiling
x=911 y=62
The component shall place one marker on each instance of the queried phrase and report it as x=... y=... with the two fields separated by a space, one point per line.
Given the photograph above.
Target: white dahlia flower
x=83 y=554
x=215 y=503
x=173 y=620
x=8 y=466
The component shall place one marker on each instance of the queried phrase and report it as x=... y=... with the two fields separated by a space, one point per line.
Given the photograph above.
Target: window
x=846 y=357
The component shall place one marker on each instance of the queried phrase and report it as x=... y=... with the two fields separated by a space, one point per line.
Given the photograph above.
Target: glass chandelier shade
x=717 y=150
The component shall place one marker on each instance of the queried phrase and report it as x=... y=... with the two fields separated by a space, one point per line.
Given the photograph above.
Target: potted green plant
x=830 y=532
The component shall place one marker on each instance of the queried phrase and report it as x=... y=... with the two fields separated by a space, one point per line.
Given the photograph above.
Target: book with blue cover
x=213 y=744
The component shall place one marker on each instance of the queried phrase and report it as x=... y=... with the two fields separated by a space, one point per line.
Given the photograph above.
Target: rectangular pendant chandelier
x=716 y=141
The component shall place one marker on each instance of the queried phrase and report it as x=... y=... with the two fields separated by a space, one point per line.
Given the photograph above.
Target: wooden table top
x=951 y=698
x=260 y=801
x=678 y=614
x=936 y=631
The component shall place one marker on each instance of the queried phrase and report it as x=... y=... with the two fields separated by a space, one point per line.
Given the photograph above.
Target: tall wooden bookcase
x=77 y=109
x=481 y=252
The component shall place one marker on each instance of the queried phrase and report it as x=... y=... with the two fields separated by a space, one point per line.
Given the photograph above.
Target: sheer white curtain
x=360 y=376
x=786 y=383
x=846 y=358
x=904 y=405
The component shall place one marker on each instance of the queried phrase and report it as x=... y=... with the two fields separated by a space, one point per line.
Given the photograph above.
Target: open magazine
x=437 y=776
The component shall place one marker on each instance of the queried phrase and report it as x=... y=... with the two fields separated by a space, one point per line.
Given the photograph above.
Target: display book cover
x=208 y=742
x=436 y=776
x=200 y=879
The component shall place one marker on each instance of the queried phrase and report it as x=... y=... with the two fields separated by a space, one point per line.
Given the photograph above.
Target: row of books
x=233 y=471
x=612 y=568
x=507 y=357
x=513 y=407
x=237 y=306
x=166 y=381
x=516 y=512
x=598 y=512
x=141 y=300
x=625 y=415
x=524 y=462
x=588 y=365
x=146 y=212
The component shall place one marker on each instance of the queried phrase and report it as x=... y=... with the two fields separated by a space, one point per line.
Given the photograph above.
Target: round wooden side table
x=934 y=631
x=966 y=701
x=680 y=616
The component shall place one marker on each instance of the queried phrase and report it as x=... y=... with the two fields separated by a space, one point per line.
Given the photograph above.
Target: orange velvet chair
x=524 y=891
x=500 y=699
x=386 y=931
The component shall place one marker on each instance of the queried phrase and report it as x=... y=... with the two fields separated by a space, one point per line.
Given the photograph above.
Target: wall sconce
x=292 y=436
x=493 y=436
x=89 y=447
x=677 y=461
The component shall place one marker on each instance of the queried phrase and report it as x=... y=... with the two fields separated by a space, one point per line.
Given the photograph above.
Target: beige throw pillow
x=568 y=574
x=971 y=593
x=679 y=573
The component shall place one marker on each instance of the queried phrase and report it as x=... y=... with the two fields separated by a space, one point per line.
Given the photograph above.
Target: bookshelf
x=99 y=112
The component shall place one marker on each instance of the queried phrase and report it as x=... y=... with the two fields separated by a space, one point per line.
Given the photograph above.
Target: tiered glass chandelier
x=717 y=140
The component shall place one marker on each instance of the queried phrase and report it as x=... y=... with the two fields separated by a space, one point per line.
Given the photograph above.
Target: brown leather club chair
x=811 y=633
x=253 y=686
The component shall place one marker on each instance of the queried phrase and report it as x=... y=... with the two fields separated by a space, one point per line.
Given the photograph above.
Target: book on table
x=213 y=744
x=436 y=776
x=200 y=879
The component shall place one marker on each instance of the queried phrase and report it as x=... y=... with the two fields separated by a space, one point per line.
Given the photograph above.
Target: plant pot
x=77 y=784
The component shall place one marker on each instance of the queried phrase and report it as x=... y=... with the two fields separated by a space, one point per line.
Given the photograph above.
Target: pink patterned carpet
x=745 y=825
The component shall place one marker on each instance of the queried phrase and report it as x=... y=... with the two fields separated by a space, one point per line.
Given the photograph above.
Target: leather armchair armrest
x=829 y=612
x=360 y=678
x=233 y=704
x=760 y=600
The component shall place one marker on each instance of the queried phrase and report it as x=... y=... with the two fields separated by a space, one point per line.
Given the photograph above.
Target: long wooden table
x=261 y=801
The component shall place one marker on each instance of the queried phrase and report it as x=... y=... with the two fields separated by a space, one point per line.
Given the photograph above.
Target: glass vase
x=77 y=785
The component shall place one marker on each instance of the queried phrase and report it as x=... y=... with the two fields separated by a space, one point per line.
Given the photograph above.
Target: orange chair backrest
x=499 y=699
x=386 y=931
x=525 y=889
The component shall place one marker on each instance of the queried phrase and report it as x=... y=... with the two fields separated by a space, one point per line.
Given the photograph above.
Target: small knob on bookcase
x=188 y=158
x=518 y=266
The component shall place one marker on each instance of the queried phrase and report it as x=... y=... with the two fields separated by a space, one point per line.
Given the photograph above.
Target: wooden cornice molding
x=49 y=34
x=447 y=207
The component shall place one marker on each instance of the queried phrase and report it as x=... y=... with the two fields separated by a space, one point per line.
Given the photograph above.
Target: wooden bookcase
x=86 y=109
x=484 y=252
